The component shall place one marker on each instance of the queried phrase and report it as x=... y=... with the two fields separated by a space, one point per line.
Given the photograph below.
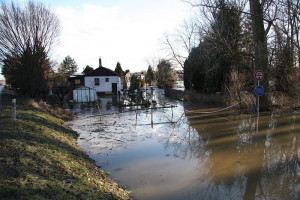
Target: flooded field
x=180 y=153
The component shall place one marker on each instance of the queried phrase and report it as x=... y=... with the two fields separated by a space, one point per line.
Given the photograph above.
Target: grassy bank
x=39 y=158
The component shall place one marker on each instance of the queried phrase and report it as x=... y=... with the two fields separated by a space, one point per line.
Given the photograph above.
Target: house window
x=106 y=79
x=97 y=81
x=77 y=82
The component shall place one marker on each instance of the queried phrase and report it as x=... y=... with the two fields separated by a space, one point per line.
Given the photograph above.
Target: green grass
x=39 y=158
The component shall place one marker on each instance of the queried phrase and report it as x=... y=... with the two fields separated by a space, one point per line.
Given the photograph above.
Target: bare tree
x=27 y=35
x=27 y=28
x=258 y=13
x=288 y=23
x=180 y=44
x=260 y=45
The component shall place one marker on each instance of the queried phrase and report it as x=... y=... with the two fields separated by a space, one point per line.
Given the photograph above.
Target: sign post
x=259 y=75
x=259 y=90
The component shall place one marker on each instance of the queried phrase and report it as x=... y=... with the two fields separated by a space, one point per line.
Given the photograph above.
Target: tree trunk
x=261 y=53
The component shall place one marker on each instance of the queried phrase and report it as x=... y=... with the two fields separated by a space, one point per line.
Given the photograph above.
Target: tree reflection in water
x=238 y=161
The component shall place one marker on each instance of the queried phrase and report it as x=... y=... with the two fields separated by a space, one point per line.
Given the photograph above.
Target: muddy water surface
x=179 y=153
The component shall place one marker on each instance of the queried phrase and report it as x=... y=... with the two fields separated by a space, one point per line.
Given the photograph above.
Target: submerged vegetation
x=41 y=160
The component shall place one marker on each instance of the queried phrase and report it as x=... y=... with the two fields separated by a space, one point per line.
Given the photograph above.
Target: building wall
x=103 y=86
x=76 y=81
x=2 y=82
x=127 y=80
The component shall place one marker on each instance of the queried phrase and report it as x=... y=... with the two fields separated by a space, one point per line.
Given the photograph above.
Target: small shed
x=84 y=94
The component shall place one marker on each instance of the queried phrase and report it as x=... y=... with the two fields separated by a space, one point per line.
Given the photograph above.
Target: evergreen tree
x=149 y=75
x=126 y=71
x=134 y=82
x=27 y=35
x=67 y=68
x=209 y=66
x=87 y=69
x=119 y=69
x=225 y=38
x=164 y=74
x=30 y=72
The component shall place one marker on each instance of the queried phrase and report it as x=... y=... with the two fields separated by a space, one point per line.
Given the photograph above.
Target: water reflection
x=241 y=161
x=185 y=155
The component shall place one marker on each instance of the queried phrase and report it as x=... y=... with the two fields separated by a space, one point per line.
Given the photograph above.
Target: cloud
x=115 y=33
x=85 y=32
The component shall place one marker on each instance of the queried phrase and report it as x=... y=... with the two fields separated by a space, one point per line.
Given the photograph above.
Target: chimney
x=100 y=64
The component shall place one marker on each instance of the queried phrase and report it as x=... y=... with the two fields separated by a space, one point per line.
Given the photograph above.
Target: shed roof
x=84 y=88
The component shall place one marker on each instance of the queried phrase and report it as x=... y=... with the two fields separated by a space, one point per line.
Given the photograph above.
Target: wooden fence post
x=14 y=109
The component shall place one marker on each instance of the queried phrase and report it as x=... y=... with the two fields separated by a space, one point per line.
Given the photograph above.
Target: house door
x=114 y=88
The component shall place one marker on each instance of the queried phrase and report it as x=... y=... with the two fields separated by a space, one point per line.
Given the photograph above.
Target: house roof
x=103 y=71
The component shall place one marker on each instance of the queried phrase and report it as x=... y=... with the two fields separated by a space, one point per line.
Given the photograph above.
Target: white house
x=103 y=80
x=140 y=75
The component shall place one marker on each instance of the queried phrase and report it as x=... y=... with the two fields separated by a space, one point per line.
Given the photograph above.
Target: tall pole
x=257 y=119
x=257 y=101
x=259 y=75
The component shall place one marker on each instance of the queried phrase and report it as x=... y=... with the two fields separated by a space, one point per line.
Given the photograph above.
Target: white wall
x=1 y=88
x=104 y=86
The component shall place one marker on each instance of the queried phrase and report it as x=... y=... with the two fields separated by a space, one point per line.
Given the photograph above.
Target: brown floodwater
x=179 y=153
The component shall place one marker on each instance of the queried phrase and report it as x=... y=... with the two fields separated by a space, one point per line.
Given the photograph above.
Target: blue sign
x=259 y=90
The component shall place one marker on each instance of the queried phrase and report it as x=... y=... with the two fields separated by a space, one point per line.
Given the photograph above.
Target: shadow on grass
x=30 y=129
x=41 y=147
x=58 y=126
x=39 y=158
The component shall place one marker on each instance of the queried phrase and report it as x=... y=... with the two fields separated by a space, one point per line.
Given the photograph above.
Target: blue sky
x=125 y=31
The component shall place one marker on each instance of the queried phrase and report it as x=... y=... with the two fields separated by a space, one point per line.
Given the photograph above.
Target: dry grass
x=282 y=101
x=40 y=158
x=55 y=111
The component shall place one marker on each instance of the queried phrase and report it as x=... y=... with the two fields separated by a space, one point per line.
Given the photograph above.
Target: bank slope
x=40 y=159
